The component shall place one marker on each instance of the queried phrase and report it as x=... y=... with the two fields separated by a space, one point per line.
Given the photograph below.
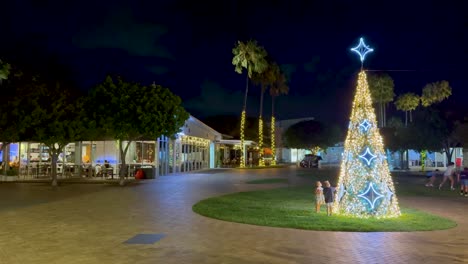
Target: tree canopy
x=250 y=56
x=435 y=92
x=311 y=134
x=129 y=111
x=381 y=87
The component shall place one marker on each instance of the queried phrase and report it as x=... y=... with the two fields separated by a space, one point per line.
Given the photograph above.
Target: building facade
x=193 y=148
x=333 y=154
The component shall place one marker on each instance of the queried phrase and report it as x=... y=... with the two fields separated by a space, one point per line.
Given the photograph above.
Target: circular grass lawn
x=267 y=181
x=295 y=208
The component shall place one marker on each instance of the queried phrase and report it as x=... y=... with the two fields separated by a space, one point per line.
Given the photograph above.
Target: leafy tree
x=435 y=92
x=434 y=130
x=7 y=130
x=407 y=102
x=460 y=133
x=381 y=87
x=311 y=134
x=15 y=110
x=128 y=111
x=251 y=57
x=58 y=119
x=394 y=137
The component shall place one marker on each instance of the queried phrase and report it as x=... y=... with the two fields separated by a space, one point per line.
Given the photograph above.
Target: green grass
x=406 y=183
x=295 y=208
x=267 y=181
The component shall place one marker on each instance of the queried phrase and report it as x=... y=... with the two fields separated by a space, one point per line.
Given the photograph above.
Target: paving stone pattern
x=89 y=223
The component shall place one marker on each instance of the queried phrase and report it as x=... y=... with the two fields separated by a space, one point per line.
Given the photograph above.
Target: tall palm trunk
x=272 y=128
x=406 y=118
x=242 y=125
x=261 y=161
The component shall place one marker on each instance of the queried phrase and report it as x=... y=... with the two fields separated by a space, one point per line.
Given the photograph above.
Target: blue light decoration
x=388 y=192
x=341 y=191
x=362 y=49
x=365 y=186
x=367 y=156
x=371 y=195
x=365 y=125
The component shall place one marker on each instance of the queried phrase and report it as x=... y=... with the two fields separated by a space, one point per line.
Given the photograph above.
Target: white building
x=194 y=148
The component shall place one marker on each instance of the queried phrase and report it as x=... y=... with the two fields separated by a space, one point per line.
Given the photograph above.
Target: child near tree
x=319 y=198
x=329 y=194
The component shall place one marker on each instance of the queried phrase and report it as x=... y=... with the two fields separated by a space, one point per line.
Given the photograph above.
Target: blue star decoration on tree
x=389 y=193
x=367 y=156
x=365 y=125
x=362 y=49
x=371 y=195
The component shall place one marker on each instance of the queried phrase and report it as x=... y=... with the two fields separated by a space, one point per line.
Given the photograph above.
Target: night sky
x=187 y=46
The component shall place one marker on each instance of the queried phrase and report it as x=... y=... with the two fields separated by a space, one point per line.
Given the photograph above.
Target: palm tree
x=251 y=57
x=407 y=102
x=280 y=86
x=381 y=87
x=435 y=93
x=264 y=79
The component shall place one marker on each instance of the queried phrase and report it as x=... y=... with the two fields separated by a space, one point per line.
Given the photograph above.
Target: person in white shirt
x=448 y=174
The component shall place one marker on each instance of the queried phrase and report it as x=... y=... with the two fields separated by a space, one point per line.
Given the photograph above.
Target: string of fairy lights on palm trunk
x=261 y=161
x=365 y=186
x=273 y=148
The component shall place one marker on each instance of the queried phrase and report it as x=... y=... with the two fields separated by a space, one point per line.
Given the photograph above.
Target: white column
x=212 y=155
x=156 y=157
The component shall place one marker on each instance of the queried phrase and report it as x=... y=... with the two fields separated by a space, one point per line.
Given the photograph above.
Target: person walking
x=448 y=174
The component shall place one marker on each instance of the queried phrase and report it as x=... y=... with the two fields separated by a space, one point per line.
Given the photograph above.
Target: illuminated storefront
x=191 y=149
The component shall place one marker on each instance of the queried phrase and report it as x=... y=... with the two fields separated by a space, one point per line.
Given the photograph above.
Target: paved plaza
x=100 y=223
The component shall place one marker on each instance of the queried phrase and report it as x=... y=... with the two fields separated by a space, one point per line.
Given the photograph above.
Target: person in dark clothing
x=329 y=193
x=462 y=177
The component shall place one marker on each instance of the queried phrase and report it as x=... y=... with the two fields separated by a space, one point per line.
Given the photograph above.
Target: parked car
x=310 y=161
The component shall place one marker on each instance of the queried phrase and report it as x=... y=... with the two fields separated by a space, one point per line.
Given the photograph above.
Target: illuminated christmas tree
x=365 y=187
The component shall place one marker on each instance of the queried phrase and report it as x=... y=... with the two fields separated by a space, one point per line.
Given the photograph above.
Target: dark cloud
x=215 y=100
x=119 y=30
x=158 y=70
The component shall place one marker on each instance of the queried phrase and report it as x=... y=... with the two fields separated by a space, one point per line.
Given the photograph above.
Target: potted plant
x=12 y=174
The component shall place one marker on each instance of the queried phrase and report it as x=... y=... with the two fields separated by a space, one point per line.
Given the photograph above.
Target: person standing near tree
x=319 y=198
x=462 y=178
x=448 y=174
x=329 y=193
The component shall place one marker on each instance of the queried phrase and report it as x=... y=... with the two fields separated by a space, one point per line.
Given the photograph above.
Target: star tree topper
x=362 y=49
